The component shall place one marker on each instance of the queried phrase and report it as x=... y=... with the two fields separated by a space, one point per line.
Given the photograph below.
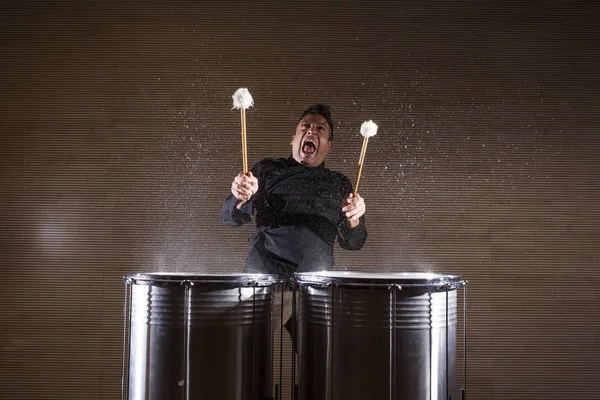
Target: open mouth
x=309 y=146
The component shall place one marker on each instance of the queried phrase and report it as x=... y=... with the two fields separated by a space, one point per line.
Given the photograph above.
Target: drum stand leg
x=279 y=388
x=294 y=344
x=126 y=330
x=463 y=391
x=187 y=320
x=447 y=329
x=332 y=340
x=393 y=319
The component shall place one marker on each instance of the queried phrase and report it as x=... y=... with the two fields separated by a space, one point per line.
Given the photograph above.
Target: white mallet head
x=368 y=129
x=242 y=99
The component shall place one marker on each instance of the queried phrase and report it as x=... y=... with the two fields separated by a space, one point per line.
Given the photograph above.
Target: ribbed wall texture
x=118 y=145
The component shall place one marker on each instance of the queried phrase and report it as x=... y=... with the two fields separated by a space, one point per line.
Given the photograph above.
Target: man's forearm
x=236 y=213
x=352 y=237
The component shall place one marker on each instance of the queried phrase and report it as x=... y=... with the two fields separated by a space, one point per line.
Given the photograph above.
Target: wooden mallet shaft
x=367 y=129
x=244 y=146
x=361 y=161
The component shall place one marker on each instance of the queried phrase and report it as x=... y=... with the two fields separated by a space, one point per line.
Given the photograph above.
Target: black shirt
x=298 y=217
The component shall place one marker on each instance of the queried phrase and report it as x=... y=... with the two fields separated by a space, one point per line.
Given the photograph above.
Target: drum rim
x=179 y=278
x=404 y=280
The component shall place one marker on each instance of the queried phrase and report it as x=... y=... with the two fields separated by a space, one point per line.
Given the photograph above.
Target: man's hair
x=322 y=110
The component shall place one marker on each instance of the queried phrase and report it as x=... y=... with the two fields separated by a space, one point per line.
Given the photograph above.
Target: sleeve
x=232 y=216
x=351 y=238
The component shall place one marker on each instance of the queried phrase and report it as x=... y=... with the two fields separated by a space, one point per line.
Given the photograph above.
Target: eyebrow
x=318 y=124
x=325 y=124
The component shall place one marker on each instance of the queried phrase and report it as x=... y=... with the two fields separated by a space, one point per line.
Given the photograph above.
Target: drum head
x=178 y=278
x=403 y=280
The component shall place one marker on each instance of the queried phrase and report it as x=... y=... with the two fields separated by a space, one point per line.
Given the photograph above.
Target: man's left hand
x=353 y=207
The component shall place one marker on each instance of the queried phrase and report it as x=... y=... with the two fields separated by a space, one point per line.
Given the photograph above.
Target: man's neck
x=322 y=165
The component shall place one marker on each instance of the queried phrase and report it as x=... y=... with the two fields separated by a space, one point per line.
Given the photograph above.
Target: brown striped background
x=118 y=145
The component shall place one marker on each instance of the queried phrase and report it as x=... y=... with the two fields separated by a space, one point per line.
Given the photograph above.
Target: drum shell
x=200 y=340
x=363 y=341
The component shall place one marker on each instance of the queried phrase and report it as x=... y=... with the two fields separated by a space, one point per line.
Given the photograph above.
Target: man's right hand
x=244 y=186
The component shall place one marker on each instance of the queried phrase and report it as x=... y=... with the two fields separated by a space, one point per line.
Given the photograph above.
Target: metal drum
x=199 y=337
x=376 y=335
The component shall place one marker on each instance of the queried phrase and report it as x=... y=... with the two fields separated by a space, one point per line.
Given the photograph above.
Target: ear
x=292 y=141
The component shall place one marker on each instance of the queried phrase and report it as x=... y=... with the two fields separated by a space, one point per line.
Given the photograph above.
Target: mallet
x=367 y=129
x=242 y=99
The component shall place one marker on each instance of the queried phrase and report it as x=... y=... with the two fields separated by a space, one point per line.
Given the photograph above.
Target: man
x=301 y=207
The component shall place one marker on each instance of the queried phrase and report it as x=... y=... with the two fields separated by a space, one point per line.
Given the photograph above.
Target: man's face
x=310 y=143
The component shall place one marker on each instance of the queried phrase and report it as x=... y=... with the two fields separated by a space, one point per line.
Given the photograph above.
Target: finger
x=239 y=195
x=246 y=186
x=249 y=176
x=245 y=193
x=246 y=177
x=242 y=179
x=239 y=185
x=253 y=179
x=241 y=189
x=243 y=183
x=355 y=214
x=356 y=208
x=360 y=202
x=348 y=207
x=350 y=211
x=352 y=202
x=251 y=184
